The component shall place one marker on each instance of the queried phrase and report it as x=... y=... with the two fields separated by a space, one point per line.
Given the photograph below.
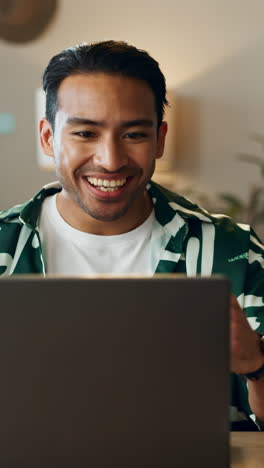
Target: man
x=104 y=128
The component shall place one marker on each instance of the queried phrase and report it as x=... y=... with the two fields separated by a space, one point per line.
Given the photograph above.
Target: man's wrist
x=258 y=372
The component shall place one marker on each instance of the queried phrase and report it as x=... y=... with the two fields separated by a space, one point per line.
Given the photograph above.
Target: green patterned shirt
x=186 y=239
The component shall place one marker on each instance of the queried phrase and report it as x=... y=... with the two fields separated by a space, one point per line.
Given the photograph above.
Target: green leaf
x=259 y=217
x=252 y=159
x=232 y=200
x=234 y=206
x=258 y=137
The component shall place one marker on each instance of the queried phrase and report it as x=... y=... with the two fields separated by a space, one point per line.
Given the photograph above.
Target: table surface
x=247 y=450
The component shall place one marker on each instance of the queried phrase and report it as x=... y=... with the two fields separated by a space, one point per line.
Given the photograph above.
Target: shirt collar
x=166 y=203
x=28 y=213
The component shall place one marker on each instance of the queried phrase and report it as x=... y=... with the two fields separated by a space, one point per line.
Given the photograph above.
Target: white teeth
x=107 y=189
x=106 y=184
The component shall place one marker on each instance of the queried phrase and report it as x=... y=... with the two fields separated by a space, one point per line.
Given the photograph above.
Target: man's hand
x=246 y=355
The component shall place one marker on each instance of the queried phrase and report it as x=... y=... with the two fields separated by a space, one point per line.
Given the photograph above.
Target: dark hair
x=113 y=57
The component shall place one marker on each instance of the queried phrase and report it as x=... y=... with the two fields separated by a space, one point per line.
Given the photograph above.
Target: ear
x=46 y=137
x=161 y=139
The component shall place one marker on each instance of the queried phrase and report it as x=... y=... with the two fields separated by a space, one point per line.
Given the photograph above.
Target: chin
x=103 y=215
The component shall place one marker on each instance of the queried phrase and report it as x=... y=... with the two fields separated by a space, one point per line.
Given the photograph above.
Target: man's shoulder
x=167 y=203
x=28 y=212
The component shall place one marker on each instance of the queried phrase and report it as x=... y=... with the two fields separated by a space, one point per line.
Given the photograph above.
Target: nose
x=110 y=155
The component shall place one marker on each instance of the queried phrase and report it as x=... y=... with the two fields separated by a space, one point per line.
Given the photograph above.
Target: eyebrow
x=125 y=124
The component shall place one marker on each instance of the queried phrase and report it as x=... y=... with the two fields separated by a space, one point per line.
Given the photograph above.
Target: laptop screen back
x=130 y=372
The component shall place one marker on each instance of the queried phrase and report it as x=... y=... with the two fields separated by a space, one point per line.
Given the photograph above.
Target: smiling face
x=105 y=144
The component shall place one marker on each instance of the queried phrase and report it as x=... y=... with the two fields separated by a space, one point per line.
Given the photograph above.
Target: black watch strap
x=258 y=374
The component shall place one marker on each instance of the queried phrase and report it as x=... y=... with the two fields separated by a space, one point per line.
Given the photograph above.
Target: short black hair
x=112 y=57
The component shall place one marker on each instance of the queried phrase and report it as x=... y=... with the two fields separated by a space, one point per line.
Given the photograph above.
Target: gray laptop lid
x=114 y=372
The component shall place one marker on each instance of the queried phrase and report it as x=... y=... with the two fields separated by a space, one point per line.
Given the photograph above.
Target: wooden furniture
x=247 y=449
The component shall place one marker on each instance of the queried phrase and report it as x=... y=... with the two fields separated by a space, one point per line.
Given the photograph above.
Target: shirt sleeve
x=252 y=301
x=253 y=297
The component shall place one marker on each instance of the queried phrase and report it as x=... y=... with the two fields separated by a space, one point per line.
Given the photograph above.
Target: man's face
x=105 y=145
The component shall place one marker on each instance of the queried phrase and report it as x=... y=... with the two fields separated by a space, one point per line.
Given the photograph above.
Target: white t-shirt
x=71 y=252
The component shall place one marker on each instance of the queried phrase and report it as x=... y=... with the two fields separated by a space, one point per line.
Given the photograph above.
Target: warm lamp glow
x=165 y=167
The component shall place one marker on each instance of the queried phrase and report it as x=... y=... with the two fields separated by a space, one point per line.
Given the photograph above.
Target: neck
x=76 y=217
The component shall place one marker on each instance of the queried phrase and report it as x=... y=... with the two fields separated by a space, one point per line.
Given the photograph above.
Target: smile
x=106 y=185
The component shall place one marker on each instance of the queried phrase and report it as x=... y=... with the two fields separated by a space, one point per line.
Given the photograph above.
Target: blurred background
x=212 y=54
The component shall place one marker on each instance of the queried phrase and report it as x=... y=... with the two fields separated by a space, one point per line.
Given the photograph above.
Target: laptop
x=114 y=372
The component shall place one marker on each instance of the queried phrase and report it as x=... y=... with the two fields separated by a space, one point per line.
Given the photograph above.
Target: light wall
x=211 y=53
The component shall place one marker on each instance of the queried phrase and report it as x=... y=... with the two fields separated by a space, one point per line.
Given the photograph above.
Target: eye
x=85 y=134
x=136 y=135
